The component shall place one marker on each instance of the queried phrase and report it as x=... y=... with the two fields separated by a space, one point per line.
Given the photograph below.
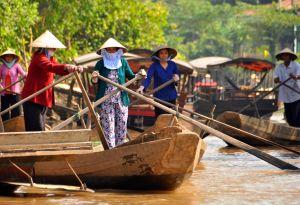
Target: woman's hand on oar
x=73 y=68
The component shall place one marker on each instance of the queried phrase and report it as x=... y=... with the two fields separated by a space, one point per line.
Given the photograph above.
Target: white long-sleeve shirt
x=282 y=72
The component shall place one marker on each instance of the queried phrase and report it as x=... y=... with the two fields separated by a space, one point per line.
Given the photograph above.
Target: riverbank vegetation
x=197 y=28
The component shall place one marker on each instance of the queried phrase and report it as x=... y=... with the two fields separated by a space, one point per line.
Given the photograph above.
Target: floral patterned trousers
x=113 y=117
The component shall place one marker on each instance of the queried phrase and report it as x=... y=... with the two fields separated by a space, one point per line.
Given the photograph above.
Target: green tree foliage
x=275 y=27
x=201 y=28
x=196 y=28
x=17 y=17
x=84 y=25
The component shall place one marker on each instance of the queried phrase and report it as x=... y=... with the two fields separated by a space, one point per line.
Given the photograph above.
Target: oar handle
x=36 y=93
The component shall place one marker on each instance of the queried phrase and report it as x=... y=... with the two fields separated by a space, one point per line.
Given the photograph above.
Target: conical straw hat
x=286 y=51
x=10 y=52
x=111 y=43
x=47 y=40
x=172 y=51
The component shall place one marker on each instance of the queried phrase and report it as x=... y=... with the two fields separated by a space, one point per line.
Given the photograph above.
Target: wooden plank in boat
x=44 y=155
x=58 y=136
x=45 y=147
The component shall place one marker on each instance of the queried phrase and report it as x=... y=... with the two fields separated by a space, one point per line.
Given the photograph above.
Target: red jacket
x=41 y=74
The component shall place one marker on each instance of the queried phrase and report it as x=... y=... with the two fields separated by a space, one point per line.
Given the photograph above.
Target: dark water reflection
x=225 y=176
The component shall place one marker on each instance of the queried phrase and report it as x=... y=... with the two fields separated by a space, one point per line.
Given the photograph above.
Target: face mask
x=112 y=60
x=50 y=53
x=11 y=64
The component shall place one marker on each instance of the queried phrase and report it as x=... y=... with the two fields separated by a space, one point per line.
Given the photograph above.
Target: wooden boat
x=233 y=84
x=161 y=160
x=281 y=134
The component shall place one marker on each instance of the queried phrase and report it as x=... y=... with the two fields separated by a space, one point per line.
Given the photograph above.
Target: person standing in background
x=162 y=70
x=10 y=70
x=291 y=99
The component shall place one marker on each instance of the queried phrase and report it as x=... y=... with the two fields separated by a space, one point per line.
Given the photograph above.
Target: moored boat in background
x=234 y=85
x=279 y=133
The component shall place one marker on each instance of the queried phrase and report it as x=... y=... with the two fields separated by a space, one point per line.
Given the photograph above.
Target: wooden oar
x=293 y=89
x=252 y=150
x=81 y=118
x=208 y=119
x=4 y=89
x=149 y=93
x=12 y=92
x=92 y=111
x=262 y=96
x=40 y=188
x=36 y=93
x=98 y=102
x=156 y=89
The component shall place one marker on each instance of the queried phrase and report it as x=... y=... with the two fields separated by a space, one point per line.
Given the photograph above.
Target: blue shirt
x=160 y=76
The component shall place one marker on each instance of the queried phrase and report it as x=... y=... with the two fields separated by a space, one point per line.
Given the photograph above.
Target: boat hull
x=137 y=182
x=159 y=164
x=281 y=134
x=265 y=107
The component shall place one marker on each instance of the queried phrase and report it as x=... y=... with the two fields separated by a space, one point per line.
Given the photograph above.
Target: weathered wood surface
x=166 y=125
x=278 y=133
x=161 y=164
x=59 y=136
x=44 y=147
x=158 y=164
x=15 y=124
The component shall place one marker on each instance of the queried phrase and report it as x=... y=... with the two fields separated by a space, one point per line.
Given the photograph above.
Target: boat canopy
x=201 y=63
x=252 y=64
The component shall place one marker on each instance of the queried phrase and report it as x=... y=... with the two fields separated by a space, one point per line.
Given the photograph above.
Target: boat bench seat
x=46 y=147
